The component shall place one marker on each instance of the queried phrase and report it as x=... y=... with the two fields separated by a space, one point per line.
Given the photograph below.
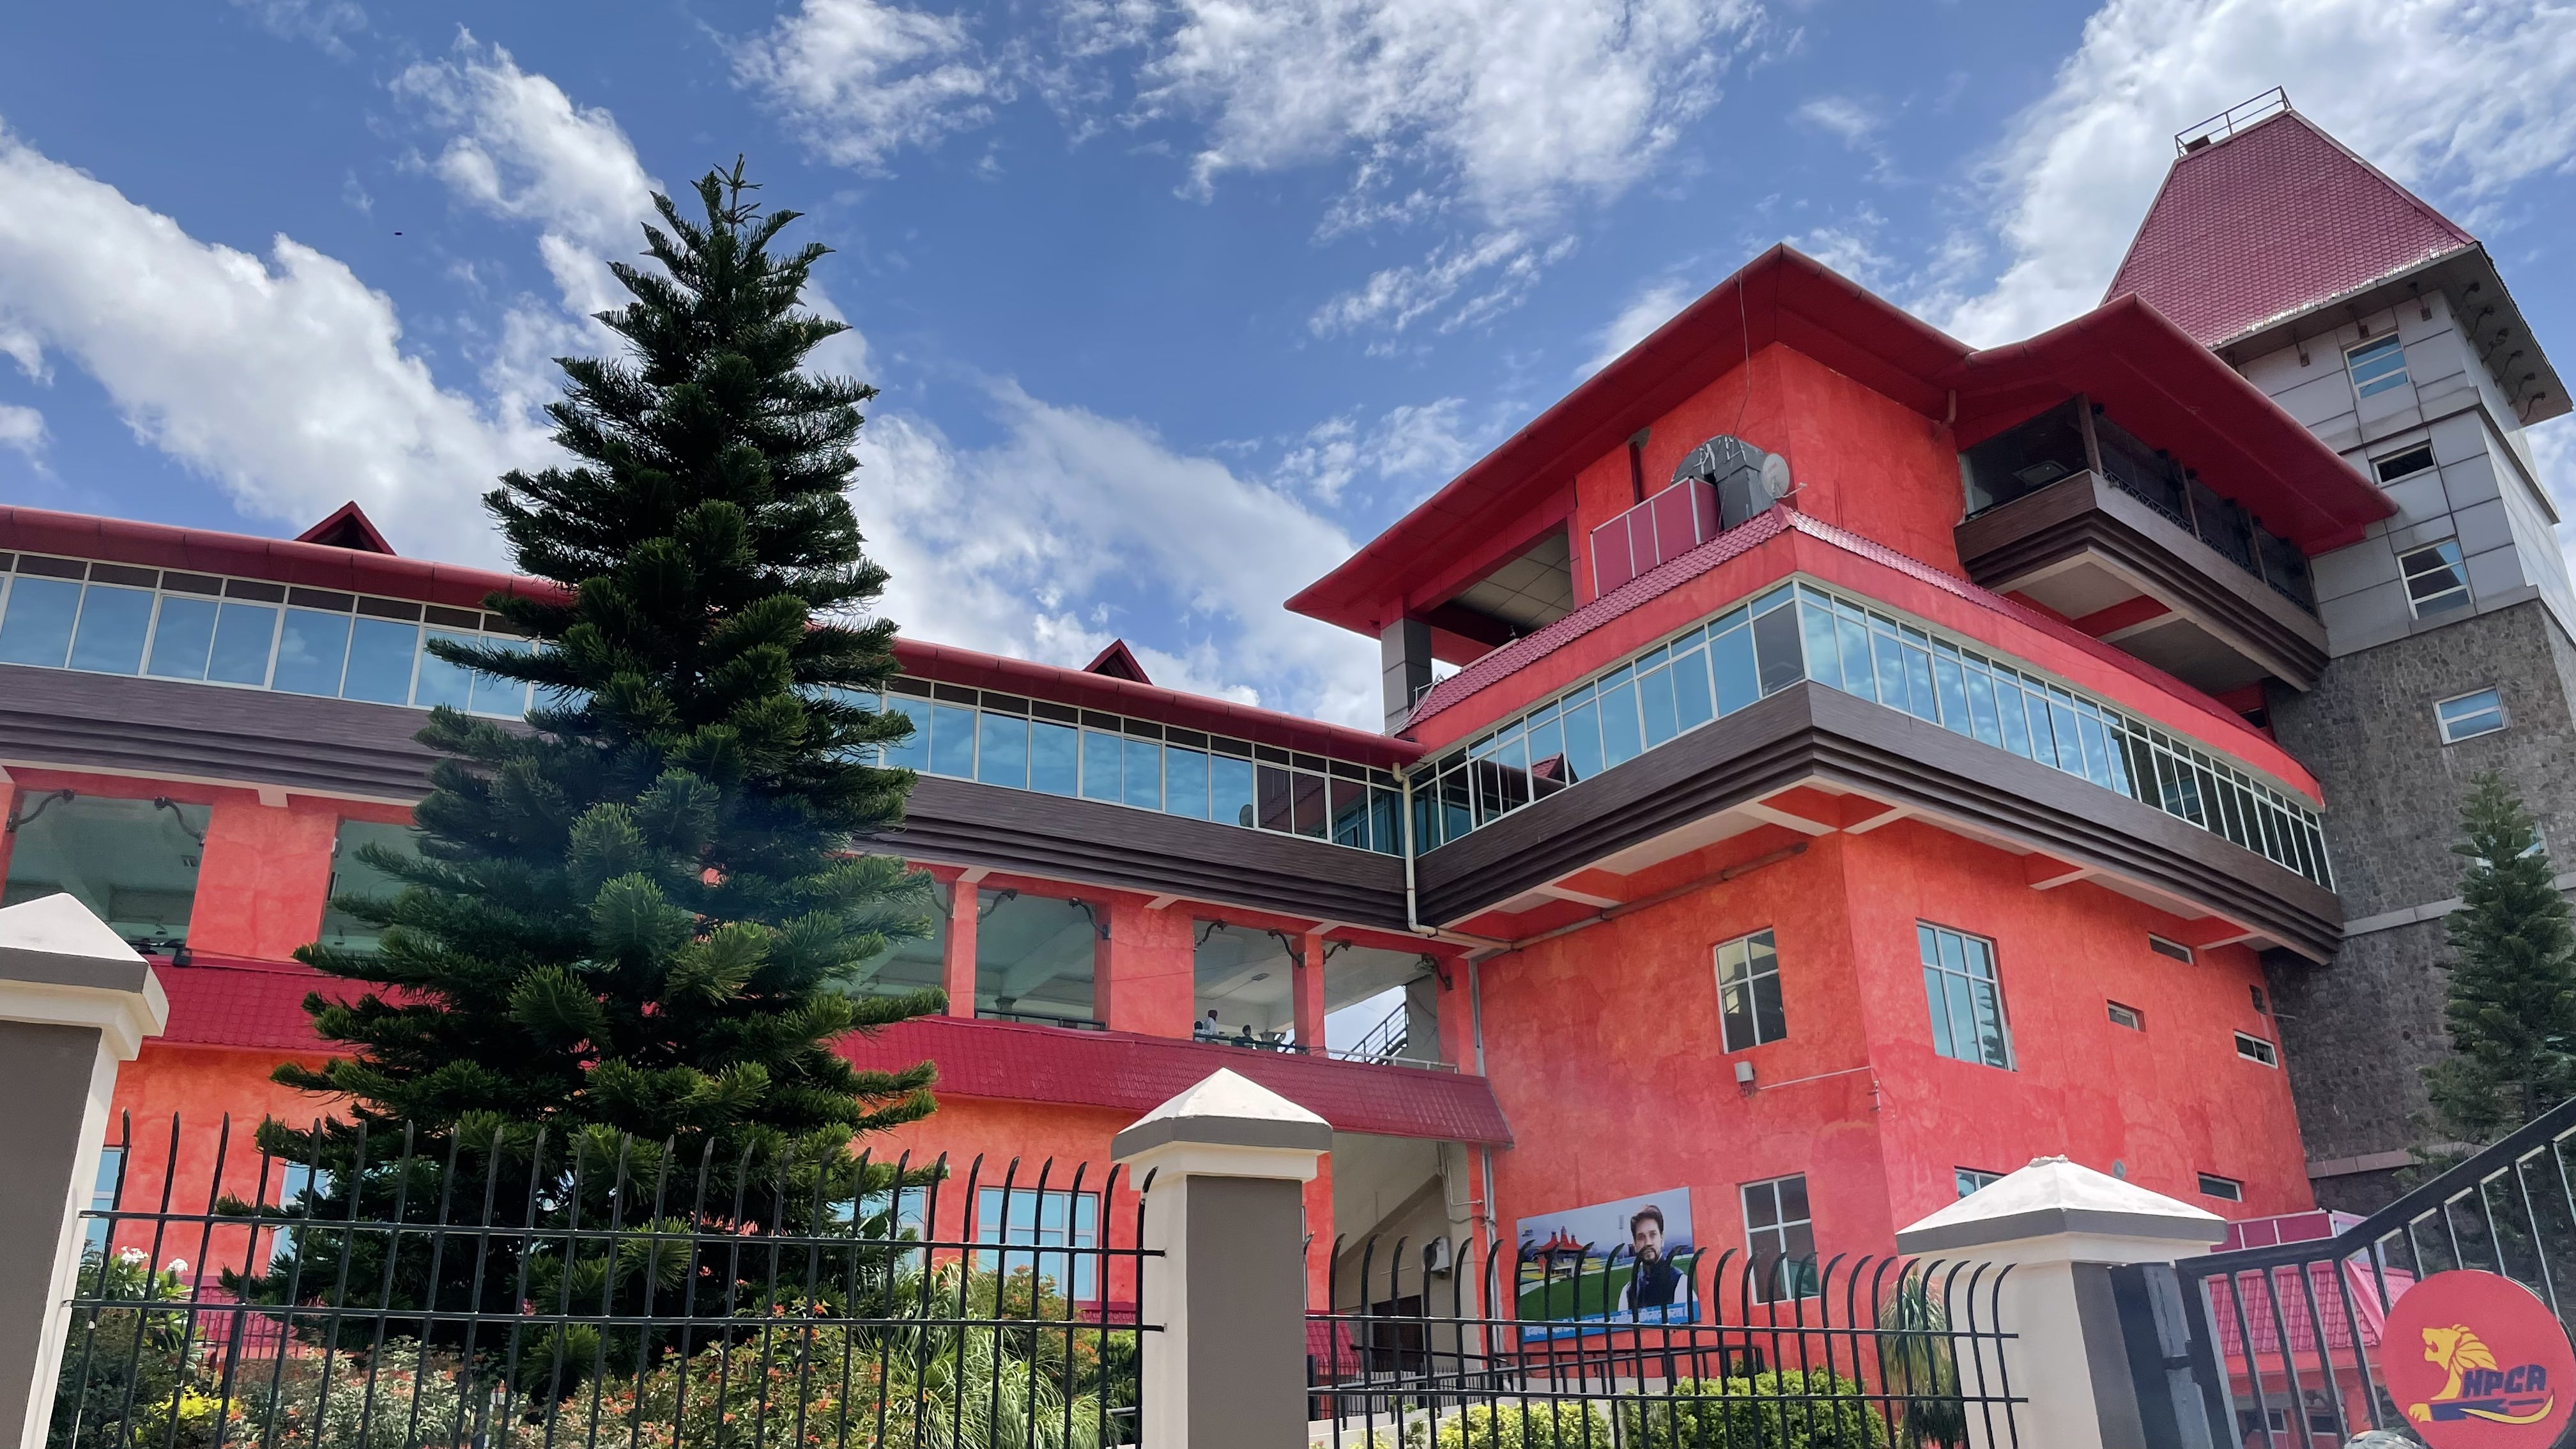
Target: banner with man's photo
x=1610 y=1264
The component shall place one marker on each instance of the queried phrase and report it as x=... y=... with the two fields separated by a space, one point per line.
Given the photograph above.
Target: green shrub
x=1548 y=1425
x=1788 y=1410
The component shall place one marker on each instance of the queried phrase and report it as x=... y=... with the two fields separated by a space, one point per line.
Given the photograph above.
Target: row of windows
x=103 y=618
x=1962 y=996
x=1033 y=744
x=1802 y=632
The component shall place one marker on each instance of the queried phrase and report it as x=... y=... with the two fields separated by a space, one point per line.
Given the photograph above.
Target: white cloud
x=859 y=80
x=22 y=429
x=1851 y=120
x=2075 y=174
x=1651 y=308
x=1496 y=271
x=1073 y=529
x=322 y=22
x=1530 y=102
x=1410 y=442
x=285 y=378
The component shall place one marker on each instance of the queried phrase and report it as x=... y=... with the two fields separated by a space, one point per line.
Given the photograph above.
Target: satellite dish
x=1775 y=477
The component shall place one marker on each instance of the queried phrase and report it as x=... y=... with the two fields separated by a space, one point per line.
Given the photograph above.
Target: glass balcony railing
x=104 y=618
x=1035 y=744
x=1795 y=632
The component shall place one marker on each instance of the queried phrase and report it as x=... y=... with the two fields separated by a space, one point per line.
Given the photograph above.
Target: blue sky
x=1173 y=302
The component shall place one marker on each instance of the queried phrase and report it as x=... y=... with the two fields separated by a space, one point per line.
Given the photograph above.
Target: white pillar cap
x=1228 y=1125
x=2055 y=1197
x=62 y=966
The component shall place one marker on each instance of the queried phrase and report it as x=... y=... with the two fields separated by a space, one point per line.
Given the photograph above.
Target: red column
x=264 y=878
x=1306 y=988
x=1319 y=1239
x=957 y=967
x=1146 y=981
x=8 y=804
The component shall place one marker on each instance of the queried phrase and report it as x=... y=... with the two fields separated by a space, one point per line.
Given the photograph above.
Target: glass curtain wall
x=132 y=862
x=1801 y=632
x=103 y=618
x=1035 y=959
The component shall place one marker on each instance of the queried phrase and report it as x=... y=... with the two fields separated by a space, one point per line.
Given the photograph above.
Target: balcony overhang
x=1816 y=760
x=2085 y=548
x=1025 y=832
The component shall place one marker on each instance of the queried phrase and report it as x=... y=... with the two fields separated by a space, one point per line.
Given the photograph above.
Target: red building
x=1819 y=775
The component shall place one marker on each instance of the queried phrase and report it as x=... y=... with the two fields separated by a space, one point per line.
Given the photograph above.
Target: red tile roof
x=2271 y=222
x=258 y=1006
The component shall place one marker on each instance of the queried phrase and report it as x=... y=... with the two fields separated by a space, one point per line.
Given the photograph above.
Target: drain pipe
x=1412 y=897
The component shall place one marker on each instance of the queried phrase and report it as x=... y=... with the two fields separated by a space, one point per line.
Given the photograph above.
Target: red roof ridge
x=1118 y=662
x=348 y=527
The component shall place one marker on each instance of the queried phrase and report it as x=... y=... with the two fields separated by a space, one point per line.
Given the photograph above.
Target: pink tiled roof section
x=1735 y=542
x=251 y=1005
x=2271 y=222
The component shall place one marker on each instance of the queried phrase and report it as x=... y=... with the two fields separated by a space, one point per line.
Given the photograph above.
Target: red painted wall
x=1605 y=1047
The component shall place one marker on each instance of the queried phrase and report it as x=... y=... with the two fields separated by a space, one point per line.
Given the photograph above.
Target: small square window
x=1780 y=1236
x=2436 y=580
x=1963 y=997
x=2175 y=949
x=1748 y=992
x=2128 y=1016
x=1970 y=1179
x=2255 y=1049
x=2377 y=366
x=2469 y=715
x=2405 y=464
x=2225 y=1188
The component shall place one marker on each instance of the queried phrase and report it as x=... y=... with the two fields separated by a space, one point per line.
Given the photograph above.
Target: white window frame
x=2171 y=949
x=1791 y=1277
x=2235 y=1188
x=2265 y=1053
x=2379 y=465
x=1752 y=985
x=2443 y=720
x=2385 y=382
x=1961 y=1178
x=2452 y=559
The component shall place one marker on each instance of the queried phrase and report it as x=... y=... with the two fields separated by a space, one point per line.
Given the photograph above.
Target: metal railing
x=2289 y=1335
x=534 y=1291
x=1387 y=1039
x=2230 y=121
x=1560 y=1346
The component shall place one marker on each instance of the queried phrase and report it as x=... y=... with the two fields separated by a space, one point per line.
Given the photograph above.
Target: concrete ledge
x=2051 y=1221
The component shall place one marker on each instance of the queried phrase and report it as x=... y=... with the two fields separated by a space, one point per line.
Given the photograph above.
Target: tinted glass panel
x=38 y=626
x=1002 y=756
x=1310 y=805
x=1055 y=758
x=1144 y=774
x=1100 y=766
x=952 y=741
x=311 y=649
x=494 y=695
x=912 y=754
x=179 y=644
x=1277 y=787
x=380 y=657
x=1230 y=790
x=1185 y=782
x=244 y=635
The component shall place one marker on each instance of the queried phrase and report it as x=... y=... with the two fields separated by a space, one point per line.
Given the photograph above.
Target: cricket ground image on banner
x=1619 y=1262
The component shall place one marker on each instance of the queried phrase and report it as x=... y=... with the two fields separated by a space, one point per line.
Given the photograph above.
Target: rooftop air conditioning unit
x=1725 y=481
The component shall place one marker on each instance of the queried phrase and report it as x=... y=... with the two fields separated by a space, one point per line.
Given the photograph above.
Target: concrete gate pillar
x=75 y=1001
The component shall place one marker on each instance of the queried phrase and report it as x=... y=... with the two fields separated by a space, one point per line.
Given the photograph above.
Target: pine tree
x=2512 y=1008
x=642 y=915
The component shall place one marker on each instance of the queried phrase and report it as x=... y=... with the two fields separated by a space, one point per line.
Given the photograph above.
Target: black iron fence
x=1446 y=1346
x=522 y=1292
x=2282 y=1344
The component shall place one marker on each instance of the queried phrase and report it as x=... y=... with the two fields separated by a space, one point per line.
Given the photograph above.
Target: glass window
x=102 y=1199
x=2436 y=580
x=508 y=698
x=1690 y=689
x=180 y=640
x=1775 y=642
x=2255 y=1049
x=1350 y=809
x=1002 y=750
x=1144 y=763
x=1311 y=808
x=952 y=741
x=1024 y=1218
x=2403 y=464
x=908 y=964
x=1185 y=782
x=295 y=1182
x=1230 y=789
x=2377 y=366
x=1748 y=991
x=1100 y=766
x=1033 y=959
x=1582 y=740
x=1655 y=702
x=1730 y=658
x=1971 y=1179
x=132 y=862
x=452 y=685
x=1620 y=741
x=353 y=875
x=1055 y=758
x=2469 y=715
x=381 y=652
x=38 y=627
x=1278 y=790
x=912 y=753
x=2127 y=1016
x=312 y=649
x=245 y=637
x=1780 y=1237
x=1963 y=997
x=2227 y=1189
x=113 y=622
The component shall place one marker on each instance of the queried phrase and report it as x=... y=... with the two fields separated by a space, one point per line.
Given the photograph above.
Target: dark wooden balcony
x=2094 y=552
